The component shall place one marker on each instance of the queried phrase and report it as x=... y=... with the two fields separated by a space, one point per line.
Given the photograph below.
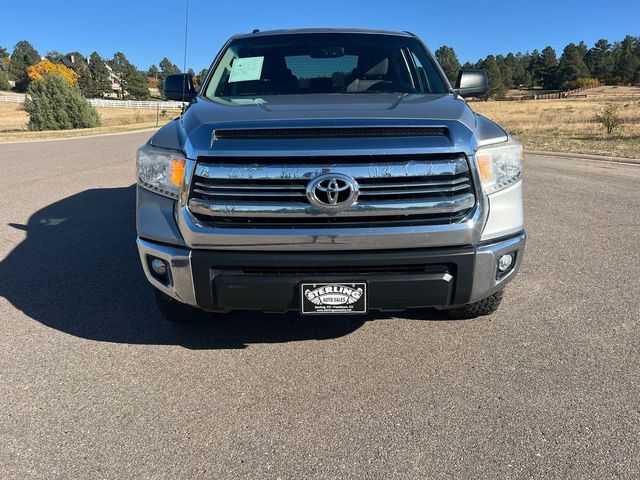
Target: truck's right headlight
x=160 y=170
x=500 y=166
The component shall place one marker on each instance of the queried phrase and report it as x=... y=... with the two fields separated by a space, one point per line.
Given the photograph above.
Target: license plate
x=333 y=297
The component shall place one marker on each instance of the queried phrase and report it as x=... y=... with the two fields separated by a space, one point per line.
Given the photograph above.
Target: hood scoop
x=328 y=132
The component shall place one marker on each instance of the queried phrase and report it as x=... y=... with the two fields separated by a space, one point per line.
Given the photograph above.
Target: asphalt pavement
x=95 y=384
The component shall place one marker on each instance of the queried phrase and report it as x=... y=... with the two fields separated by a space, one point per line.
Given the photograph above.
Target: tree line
x=96 y=77
x=578 y=65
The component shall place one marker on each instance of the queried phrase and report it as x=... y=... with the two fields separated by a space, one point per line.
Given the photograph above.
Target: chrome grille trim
x=405 y=188
x=368 y=190
x=421 y=183
x=227 y=193
x=302 y=210
x=254 y=193
x=268 y=171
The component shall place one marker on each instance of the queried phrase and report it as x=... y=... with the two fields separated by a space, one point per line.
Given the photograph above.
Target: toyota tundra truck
x=329 y=171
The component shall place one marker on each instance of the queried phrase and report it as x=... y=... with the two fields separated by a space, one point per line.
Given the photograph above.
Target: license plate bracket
x=333 y=298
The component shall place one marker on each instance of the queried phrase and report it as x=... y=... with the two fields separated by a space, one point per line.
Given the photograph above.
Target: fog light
x=505 y=262
x=159 y=267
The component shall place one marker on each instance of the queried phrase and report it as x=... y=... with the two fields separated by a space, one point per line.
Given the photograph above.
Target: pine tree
x=136 y=84
x=584 y=50
x=449 y=62
x=4 y=80
x=548 y=68
x=506 y=72
x=120 y=65
x=521 y=75
x=100 y=75
x=153 y=71
x=166 y=68
x=626 y=60
x=200 y=77
x=23 y=56
x=534 y=68
x=85 y=81
x=133 y=83
x=571 y=67
x=600 y=61
x=498 y=88
x=4 y=76
x=81 y=67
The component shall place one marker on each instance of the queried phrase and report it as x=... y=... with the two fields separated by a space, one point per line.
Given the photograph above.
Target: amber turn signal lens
x=177 y=172
x=484 y=166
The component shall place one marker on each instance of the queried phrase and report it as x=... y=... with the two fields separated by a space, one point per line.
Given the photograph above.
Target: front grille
x=329 y=132
x=396 y=190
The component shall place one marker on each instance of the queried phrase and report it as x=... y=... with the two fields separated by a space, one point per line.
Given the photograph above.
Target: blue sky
x=148 y=31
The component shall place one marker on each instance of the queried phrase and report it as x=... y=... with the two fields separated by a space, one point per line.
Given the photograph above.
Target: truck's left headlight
x=500 y=166
x=161 y=171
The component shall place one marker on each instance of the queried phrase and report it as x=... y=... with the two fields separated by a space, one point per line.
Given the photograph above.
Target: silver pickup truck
x=329 y=171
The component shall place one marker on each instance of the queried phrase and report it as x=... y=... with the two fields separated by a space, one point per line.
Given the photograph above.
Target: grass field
x=569 y=125
x=13 y=122
x=566 y=125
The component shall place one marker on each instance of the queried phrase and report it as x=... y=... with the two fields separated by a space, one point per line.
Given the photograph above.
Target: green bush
x=4 y=80
x=610 y=118
x=56 y=105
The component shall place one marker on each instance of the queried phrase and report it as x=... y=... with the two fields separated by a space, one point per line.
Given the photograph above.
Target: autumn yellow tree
x=40 y=69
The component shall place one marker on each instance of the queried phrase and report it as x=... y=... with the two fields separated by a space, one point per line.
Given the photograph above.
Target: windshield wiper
x=255 y=94
x=376 y=91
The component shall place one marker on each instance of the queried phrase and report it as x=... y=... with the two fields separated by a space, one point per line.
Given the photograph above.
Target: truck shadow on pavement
x=78 y=272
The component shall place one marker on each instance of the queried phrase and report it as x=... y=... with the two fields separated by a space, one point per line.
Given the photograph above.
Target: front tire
x=176 y=311
x=486 y=306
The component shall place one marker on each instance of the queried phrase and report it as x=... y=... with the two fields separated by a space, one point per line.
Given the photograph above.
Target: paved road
x=94 y=384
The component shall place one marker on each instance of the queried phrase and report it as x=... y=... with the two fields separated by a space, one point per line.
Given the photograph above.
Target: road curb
x=585 y=156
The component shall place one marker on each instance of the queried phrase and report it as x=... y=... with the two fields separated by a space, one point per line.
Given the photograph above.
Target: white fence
x=99 y=102
x=12 y=98
x=144 y=104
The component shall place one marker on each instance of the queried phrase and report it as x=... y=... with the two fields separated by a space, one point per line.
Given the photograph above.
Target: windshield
x=324 y=63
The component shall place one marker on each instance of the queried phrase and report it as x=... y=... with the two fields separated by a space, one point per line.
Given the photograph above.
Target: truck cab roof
x=297 y=31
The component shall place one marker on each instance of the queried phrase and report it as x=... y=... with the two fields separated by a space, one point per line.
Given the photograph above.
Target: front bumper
x=268 y=281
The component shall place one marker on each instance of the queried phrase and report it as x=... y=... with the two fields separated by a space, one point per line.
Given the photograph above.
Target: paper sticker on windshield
x=246 y=69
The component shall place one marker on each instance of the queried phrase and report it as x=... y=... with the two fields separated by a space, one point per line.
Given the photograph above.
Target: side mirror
x=179 y=86
x=472 y=83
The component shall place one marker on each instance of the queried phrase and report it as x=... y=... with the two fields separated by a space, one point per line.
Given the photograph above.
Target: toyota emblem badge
x=332 y=191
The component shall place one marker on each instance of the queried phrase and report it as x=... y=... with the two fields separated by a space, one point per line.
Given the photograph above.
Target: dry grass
x=12 y=118
x=13 y=122
x=610 y=92
x=569 y=125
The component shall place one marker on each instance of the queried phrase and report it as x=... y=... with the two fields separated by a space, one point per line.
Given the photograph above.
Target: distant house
x=72 y=62
x=115 y=83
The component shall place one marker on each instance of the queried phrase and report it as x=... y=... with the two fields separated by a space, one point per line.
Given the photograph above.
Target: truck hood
x=193 y=132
